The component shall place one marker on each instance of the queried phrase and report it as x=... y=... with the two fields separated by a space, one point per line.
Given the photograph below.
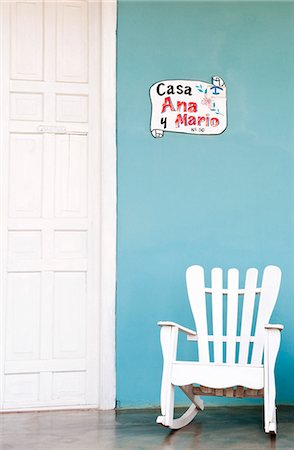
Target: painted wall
x=216 y=201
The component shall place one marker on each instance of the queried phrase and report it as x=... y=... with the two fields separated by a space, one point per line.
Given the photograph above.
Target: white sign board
x=185 y=106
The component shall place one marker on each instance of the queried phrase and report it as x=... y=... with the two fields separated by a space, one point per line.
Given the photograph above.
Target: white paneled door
x=50 y=204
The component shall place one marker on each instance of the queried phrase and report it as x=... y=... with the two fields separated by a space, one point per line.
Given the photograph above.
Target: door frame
x=106 y=197
x=108 y=201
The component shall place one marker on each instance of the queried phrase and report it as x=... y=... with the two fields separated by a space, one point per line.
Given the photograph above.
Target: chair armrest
x=276 y=326
x=180 y=328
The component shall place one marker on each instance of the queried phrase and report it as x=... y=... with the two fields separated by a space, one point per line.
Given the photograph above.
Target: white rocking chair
x=242 y=364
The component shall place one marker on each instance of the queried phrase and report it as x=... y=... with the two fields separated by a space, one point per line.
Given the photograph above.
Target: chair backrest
x=236 y=315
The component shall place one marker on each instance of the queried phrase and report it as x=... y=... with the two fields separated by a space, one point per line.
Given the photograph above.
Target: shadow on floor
x=216 y=428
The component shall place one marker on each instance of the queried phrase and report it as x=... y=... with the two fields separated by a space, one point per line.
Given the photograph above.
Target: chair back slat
x=247 y=314
x=217 y=313
x=269 y=292
x=196 y=293
x=232 y=314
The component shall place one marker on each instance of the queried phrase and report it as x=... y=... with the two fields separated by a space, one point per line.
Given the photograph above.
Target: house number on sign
x=191 y=107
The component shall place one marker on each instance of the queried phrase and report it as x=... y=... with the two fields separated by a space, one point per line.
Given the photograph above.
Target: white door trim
x=107 y=382
x=106 y=196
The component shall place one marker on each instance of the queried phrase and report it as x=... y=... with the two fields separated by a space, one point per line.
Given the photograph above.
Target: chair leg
x=270 y=418
x=272 y=343
x=168 y=338
x=170 y=403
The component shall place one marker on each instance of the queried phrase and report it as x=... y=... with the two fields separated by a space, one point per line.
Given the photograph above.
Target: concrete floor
x=231 y=428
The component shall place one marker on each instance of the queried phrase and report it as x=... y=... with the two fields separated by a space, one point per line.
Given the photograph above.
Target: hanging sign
x=185 y=106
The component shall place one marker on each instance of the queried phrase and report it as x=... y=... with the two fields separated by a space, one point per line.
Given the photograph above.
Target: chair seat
x=217 y=376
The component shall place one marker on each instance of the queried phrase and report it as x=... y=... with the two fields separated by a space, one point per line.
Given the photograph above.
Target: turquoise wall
x=216 y=201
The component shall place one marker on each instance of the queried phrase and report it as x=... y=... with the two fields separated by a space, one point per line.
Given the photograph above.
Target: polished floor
x=230 y=428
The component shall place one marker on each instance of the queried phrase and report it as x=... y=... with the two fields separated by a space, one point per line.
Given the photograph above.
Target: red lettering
x=181 y=120
x=192 y=107
x=180 y=104
x=200 y=119
x=167 y=104
x=191 y=120
x=214 y=122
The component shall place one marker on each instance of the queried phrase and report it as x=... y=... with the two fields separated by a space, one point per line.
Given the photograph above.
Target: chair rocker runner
x=243 y=362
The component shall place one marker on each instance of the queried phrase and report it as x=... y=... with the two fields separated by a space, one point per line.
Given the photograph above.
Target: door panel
x=26 y=106
x=27 y=40
x=25 y=175
x=72 y=42
x=23 y=316
x=71 y=176
x=69 y=332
